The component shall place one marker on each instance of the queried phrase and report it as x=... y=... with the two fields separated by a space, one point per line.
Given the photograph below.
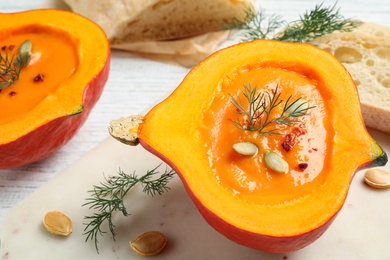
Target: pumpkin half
x=58 y=87
x=238 y=194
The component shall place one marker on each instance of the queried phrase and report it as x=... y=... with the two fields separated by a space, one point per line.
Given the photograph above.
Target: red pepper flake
x=4 y=48
x=12 y=93
x=11 y=47
x=288 y=143
x=291 y=139
x=315 y=149
x=39 y=77
x=302 y=166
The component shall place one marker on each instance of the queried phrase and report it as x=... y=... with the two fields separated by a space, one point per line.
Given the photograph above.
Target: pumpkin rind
x=171 y=131
x=49 y=125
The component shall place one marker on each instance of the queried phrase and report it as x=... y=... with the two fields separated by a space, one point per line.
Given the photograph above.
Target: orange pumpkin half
x=58 y=87
x=239 y=195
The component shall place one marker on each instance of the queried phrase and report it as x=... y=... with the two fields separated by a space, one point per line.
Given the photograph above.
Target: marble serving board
x=361 y=230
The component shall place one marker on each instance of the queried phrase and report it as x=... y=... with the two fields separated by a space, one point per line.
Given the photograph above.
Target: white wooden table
x=134 y=85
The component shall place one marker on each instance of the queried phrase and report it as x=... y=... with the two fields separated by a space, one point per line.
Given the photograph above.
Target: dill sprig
x=256 y=25
x=316 y=23
x=108 y=198
x=10 y=67
x=312 y=24
x=258 y=118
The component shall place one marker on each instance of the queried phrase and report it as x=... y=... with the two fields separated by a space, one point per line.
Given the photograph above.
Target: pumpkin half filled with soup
x=53 y=68
x=266 y=137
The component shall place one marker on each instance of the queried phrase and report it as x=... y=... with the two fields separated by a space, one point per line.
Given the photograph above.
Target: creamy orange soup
x=247 y=176
x=54 y=59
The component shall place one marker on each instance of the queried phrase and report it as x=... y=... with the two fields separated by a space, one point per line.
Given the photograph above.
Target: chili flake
x=291 y=139
x=39 y=77
x=302 y=166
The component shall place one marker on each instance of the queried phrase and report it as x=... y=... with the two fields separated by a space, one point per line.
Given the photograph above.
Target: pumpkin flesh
x=238 y=196
x=38 y=116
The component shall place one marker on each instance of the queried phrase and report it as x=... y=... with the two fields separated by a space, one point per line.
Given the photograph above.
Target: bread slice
x=367 y=58
x=159 y=20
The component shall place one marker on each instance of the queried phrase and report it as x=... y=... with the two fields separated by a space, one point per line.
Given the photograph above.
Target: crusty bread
x=374 y=29
x=367 y=58
x=159 y=20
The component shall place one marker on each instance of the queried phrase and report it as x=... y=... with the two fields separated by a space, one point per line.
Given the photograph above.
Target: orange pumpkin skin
x=36 y=133
x=177 y=131
x=249 y=239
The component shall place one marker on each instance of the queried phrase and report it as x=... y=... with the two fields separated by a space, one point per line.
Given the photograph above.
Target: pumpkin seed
x=245 y=148
x=149 y=243
x=377 y=178
x=275 y=162
x=57 y=223
x=25 y=48
x=298 y=108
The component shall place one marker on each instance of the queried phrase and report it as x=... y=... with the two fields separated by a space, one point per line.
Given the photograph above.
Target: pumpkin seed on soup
x=245 y=148
x=298 y=108
x=275 y=162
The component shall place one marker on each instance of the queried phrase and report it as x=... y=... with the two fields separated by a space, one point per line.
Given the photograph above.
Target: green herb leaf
x=316 y=23
x=257 y=117
x=10 y=68
x=109 y=198
x=312 y=24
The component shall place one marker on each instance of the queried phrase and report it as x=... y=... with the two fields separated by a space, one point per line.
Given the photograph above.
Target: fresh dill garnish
x=312 y=24
x=109 y=198
x=258 y=118
x=10 y=67
x=256 y=25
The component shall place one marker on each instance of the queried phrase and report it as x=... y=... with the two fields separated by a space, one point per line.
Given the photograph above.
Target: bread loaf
x=365 y=53
x=159 y=20
x=373 y=29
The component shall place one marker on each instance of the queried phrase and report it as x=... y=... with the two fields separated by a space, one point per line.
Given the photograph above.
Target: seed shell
x=149 y=243
x=377 y=178
x=57 y=223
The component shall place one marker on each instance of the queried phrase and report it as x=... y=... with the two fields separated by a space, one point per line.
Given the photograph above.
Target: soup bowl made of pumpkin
x=54 y=67
x=266 y=137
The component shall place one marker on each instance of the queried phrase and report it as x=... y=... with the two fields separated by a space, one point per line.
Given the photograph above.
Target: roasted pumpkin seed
x=377 y=178
x=57 y=223
x=149 y=243
x=275 y=162
x=245 y=148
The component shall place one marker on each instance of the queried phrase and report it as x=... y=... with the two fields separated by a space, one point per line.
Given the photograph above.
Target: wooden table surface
x=134 y=85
